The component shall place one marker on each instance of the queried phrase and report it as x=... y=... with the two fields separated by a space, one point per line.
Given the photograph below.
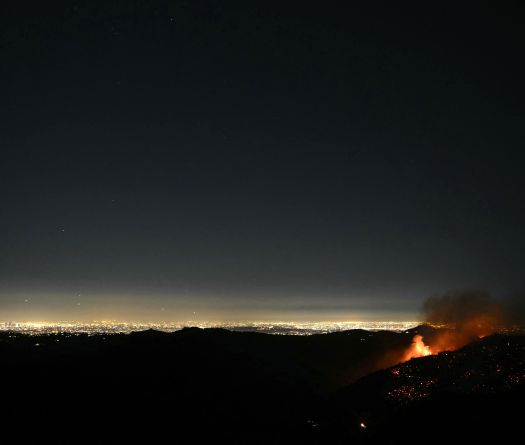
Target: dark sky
x=257 y=159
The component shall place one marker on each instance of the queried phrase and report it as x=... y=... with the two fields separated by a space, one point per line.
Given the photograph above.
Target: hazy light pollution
x=170 y=161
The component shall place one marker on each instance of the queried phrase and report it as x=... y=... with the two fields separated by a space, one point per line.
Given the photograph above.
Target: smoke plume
x=467 y=315
x=464 y=316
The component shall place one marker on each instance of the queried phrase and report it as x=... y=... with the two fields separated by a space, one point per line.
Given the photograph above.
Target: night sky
x=168 y=160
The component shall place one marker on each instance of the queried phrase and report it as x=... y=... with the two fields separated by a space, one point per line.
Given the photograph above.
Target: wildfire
x=458 y=318
x=448 y=340
x=417 y=349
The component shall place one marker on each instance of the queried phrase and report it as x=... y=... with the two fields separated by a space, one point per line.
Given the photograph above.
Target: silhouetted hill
x=203 y=385
x=201 y=382
x=472 y=394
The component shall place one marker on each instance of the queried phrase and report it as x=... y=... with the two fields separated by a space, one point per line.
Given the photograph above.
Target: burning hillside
x=444 y=393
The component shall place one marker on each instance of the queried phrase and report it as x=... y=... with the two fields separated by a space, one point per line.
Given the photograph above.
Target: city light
x=274 y=327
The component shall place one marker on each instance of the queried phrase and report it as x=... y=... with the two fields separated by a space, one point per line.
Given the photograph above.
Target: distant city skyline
x=278 y=328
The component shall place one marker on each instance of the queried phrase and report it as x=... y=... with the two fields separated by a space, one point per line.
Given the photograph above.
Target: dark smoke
x=469 y=315
x=456 y=309
x=514 y=309
x=459 y=309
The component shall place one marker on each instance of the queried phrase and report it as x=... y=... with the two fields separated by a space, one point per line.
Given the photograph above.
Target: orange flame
x=417 y=349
